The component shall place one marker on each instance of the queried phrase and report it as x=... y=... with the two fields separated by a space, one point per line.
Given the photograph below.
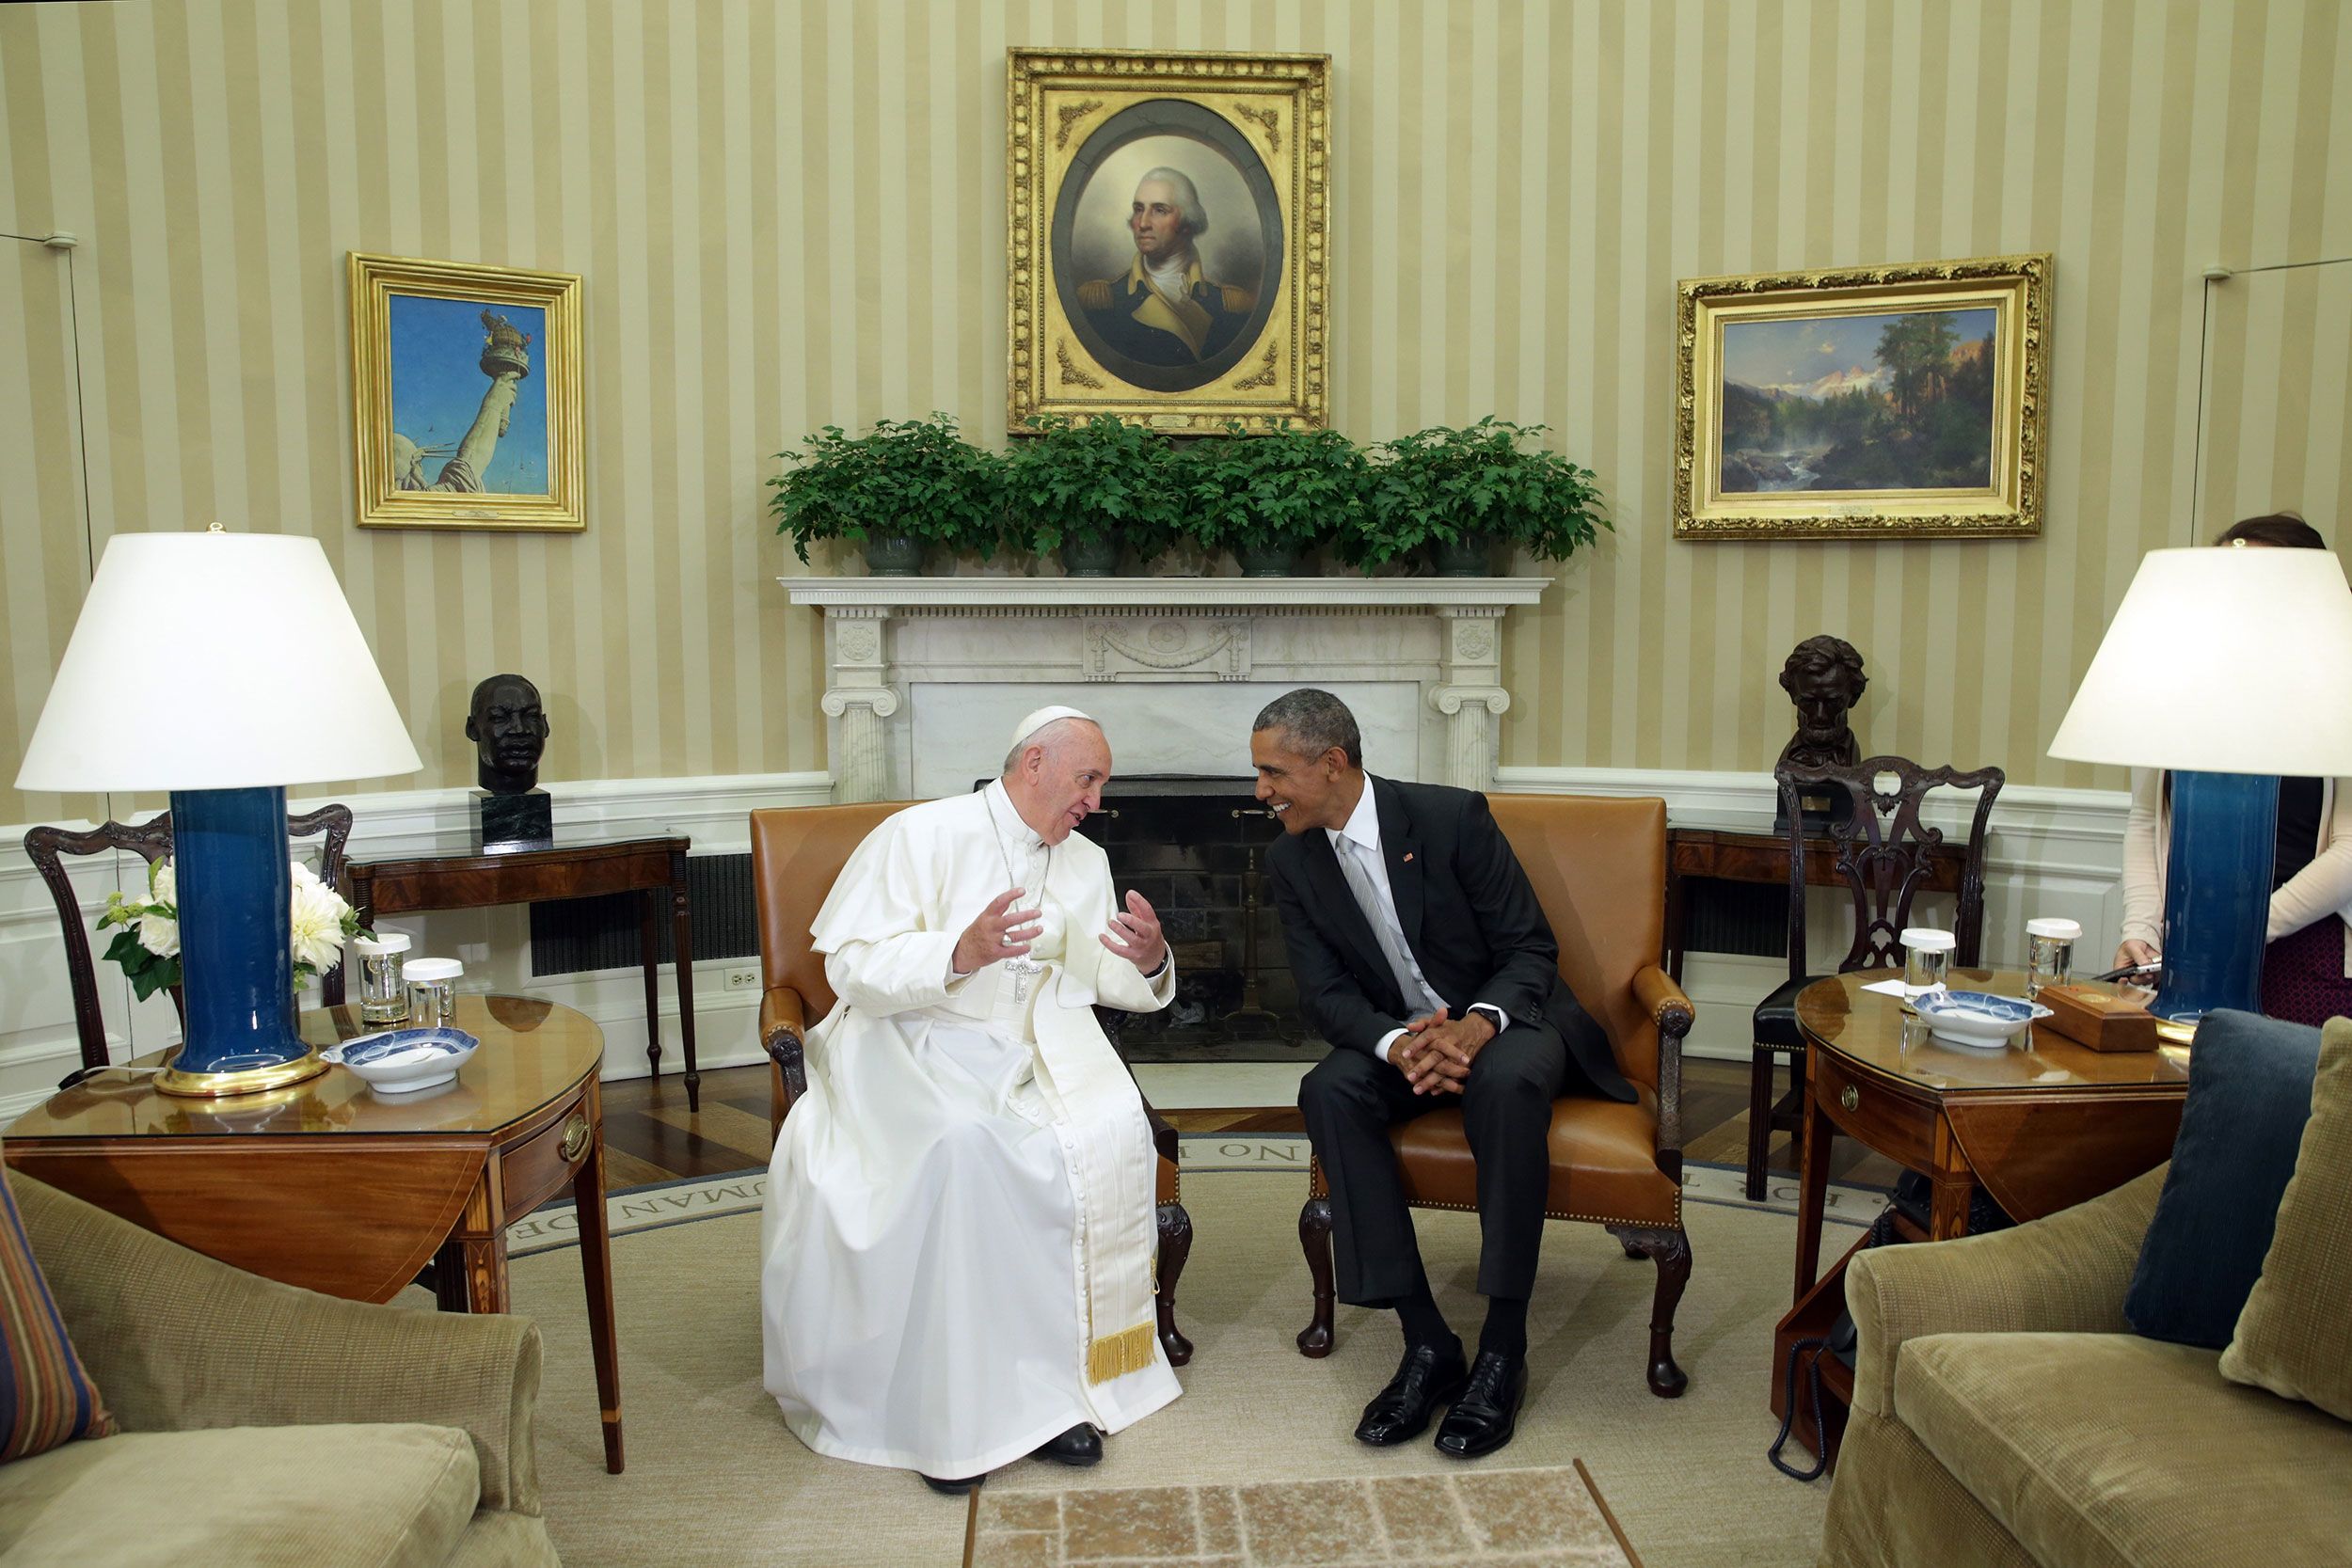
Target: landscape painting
x=1881 y=403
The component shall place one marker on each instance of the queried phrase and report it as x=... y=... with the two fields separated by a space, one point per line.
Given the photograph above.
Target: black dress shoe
x=953 y=1488
x=1426 y=1378
x=1081 y=1446
x=1483 y=1420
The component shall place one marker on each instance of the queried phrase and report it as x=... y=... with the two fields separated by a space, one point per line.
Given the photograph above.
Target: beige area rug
x=714 y=1477
x=1474 y=1517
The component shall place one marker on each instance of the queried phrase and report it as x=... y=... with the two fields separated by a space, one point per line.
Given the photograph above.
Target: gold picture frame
x=436 y=446
x=1868 y=402
x=1237 y=329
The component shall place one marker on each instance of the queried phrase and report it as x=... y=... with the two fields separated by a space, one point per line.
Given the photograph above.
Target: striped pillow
x=46 y=1397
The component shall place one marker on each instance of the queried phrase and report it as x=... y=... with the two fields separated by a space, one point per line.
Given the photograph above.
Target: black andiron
x=1252 y=1019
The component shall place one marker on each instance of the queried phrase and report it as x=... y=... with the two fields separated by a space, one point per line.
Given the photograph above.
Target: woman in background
x=2307 y=968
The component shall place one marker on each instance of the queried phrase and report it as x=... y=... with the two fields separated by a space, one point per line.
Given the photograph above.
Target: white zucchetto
x=1033 y=723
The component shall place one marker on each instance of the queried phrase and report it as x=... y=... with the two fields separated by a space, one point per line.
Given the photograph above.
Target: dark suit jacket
x=1469 y=914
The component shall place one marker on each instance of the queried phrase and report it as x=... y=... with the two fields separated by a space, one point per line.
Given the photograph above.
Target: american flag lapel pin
x=1409 y=855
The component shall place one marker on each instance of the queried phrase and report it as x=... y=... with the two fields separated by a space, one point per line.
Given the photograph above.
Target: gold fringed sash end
x=1113 y=1355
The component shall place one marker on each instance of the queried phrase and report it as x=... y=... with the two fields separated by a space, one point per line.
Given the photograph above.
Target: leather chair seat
x=1776 y=1016
x=1604 y=1165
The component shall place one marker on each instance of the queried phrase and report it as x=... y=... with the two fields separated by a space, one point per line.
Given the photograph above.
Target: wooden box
x=2099 y=1019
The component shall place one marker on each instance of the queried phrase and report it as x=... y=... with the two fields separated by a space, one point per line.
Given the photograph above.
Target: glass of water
x=1927 y=958
x=2050 y=953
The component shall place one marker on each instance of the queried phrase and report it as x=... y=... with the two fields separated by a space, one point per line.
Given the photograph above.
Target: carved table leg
x=1175 y=1247
x=470 y=1270
x=1672 y=1251
x=1314 y=1240
x=649 y=940
x=595 y=1268
x=685 y=945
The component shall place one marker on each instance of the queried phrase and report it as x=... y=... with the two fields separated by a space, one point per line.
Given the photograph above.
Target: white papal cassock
x=959 y=1235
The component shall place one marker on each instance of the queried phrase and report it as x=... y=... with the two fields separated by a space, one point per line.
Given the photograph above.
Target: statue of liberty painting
x=428 y=398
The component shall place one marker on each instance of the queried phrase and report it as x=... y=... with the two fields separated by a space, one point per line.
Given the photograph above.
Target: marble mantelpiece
x=925 y=675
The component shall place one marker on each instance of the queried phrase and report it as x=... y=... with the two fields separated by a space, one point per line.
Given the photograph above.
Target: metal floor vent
x=569 y=936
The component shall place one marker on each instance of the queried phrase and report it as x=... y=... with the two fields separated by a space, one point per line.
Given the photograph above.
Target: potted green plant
x=906 y=486
x=1088 y=488
x=1268 y=498
x=1460 y=492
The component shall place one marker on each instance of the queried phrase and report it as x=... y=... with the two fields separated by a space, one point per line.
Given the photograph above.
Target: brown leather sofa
x=797 y=851
x=1598 y=867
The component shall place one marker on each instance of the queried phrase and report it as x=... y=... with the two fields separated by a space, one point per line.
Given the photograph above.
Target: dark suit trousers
x=1351 y=1099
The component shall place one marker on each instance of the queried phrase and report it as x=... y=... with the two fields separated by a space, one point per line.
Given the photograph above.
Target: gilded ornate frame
x=1056 y=100
x=373 y=282
x=2018 y=287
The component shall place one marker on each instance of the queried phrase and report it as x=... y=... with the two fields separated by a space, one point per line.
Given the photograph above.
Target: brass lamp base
x=212 y=1085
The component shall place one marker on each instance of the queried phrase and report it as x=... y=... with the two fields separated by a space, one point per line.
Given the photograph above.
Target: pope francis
x=957 y=1252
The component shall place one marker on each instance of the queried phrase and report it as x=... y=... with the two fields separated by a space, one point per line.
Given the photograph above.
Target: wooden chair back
x=1882 y=854
x=151 y=841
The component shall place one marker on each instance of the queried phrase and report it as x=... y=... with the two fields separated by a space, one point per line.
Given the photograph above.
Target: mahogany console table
x=331 y=1186
x=469 y=878
x=1744 y=855
x=2041 y=1125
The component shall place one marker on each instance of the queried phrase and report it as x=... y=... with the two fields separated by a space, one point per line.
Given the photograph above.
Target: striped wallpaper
x=791 y=214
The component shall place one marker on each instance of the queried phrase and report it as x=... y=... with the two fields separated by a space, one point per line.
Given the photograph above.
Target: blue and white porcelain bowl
x=401 y=1061
x=1977 y=1019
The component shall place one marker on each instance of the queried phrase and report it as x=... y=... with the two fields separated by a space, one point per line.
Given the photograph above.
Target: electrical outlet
x=744 y=977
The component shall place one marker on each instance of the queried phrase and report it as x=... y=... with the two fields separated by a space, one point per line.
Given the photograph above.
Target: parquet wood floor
x=649 y=1137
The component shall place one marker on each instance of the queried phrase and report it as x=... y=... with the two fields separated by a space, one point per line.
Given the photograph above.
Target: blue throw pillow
x=2250 y=1092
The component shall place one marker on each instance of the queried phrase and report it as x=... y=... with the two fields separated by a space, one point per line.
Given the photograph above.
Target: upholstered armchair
x=797 y=851
x=1599 y=868
x=263 y=1423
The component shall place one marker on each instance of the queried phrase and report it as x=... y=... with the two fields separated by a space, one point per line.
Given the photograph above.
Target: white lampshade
x=2227 y=661
x=214 y=661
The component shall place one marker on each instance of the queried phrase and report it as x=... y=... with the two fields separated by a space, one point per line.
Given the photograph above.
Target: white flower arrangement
x=147 y=945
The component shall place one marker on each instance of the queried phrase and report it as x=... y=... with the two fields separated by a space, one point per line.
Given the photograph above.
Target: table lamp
x=222 y=668
x=2227 y=667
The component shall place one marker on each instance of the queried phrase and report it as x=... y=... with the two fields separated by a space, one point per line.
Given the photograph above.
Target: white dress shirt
x=1357 y=848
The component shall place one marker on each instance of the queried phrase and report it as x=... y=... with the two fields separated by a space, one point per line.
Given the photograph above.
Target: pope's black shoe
x=953 y=1488
x=1487 y=1412
x=1081 y=1444
x=1428 y=1377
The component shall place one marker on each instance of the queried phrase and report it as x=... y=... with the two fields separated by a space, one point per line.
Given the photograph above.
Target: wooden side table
x=475 y=879
x=334 y=1187
x=2041 y=1126
x=1739 y=856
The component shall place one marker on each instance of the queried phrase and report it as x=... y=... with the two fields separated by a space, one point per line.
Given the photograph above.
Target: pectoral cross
x=1022 y=972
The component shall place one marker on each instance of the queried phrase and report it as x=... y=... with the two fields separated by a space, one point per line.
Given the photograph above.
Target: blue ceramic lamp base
x=2216 y=893
x=236 y=959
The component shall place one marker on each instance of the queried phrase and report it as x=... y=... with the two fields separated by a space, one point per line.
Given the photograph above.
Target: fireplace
x=925 y=675
x=1195 y=848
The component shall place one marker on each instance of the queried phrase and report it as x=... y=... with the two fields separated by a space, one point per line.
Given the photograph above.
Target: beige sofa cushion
x=2294 y=1336
x=2107 y=1450
x=259 y=1497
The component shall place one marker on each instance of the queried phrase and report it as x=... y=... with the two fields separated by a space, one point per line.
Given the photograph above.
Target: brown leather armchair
x=1599 y=868
x=797 y=851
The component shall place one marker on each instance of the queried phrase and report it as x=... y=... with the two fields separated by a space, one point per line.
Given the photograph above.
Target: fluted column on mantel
x=861 y=698
x=1471 y=694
